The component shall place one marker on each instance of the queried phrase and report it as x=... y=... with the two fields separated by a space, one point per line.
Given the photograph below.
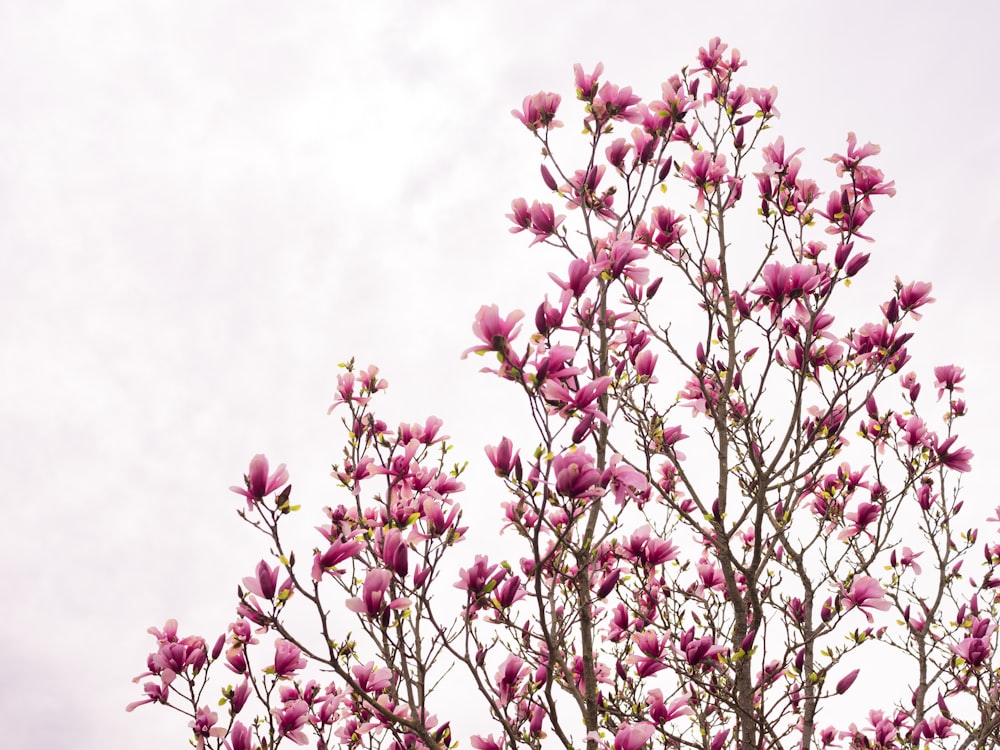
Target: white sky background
x=205 y=206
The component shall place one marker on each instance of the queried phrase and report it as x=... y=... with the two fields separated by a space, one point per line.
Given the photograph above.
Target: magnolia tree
x=734 y=505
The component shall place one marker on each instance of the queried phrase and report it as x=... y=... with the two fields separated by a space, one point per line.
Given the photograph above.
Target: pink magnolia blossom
x=156 y=692
x=576 y=476
x=370 y=603
x=290 y=719
x=495 y=332
x=587 y=83
x=854 y=155
x=613 y=103
x=633 y=736
x=265 y=583
x=336 y=553
x=240 y=737
x=947 y=378
x=370 y=678
x=204 y=726
x=288 y=659
x=975 y=651
x=908 y=559
x=258 y=483
x=662 y=713
x=865 y=593
x=705 y=173
x=504 y=458
x=539 y=111
x=958 y=459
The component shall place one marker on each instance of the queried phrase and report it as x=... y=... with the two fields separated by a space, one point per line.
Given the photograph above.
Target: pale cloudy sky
x=205 y=206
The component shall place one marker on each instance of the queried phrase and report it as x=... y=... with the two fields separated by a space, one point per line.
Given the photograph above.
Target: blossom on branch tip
x=495 y=332
x=370 y=603
x=846 y=681
x=338 y=552
x=504 y=458
x=258 y=482
x=587 y=83
x=539 y=111
x=947 y=378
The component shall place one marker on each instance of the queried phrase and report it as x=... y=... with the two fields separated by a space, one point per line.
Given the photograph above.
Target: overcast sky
x=205 y=206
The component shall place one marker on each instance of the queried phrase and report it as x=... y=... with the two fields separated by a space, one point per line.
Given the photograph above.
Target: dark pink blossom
x=575 y=473
x=947 y=378
x=587 y=83
x=705 y=173
x=613 y=103
x=846 y=681
x=265 y=583
x=539 y=111
x=975 y=651
x=495 y=332
x=240 y=738
x=288 y=659
x=373 y=590
x=504 y=458
x=764 y=99
x=204 y=726
x=258 y=482
x=336 y=553
x=395 y=552
x=957 y=459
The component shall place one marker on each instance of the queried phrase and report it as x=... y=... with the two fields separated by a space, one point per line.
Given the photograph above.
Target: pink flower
x=633 y=736
x=291 y=718
x=265 y=583
x=504 y=458
x=495 y=332
x=661 y=713
x=764 y=99
x=914 y=295
x=975 y=651
x=614 y=103
x=240 y=738
x=203 y=726
x=288 y=659
x=908 y=559
x=958 y=459
x=854 y=155
x=576 y=475
x=156 y=692
x=327 y=562
x=370 y=678
x=395 y=552
x=539 y=111
x=258 y=483
x=705 y=173
x=866 y=593
x=372 y=593
x=947 y=379
x=586 y=84
x=865 y=514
